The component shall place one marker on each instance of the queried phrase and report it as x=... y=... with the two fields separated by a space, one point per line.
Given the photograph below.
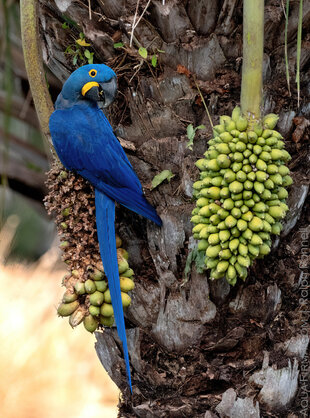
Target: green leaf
x=143 y=52
x=154 y=60
x=201 y=127
x=91 y=58
x=159 y=178
x=198 y=257
x=160 y=50
x=87 y=53
x=82 y=36
x=75 y=58
x=65 y=25
x=190 y=132
x=118 y=45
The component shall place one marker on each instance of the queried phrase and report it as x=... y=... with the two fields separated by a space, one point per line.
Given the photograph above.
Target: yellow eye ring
x=92 y=73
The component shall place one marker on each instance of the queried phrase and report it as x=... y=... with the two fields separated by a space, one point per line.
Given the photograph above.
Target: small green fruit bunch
x=87 y=298
x=240 y=195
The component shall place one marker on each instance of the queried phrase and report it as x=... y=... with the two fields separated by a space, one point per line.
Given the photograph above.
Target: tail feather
x=105 y=217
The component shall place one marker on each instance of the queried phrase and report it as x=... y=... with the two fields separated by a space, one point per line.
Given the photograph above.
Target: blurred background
x=47 y=368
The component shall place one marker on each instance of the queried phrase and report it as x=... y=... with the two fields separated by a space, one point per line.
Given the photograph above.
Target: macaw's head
x=94 y=82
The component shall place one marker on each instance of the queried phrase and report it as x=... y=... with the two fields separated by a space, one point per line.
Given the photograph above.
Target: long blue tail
x=105 y=218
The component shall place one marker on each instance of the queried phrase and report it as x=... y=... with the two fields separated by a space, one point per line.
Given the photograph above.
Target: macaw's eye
x=93 y=73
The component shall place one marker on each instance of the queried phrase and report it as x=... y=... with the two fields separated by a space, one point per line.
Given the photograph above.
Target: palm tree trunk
x=197 y=348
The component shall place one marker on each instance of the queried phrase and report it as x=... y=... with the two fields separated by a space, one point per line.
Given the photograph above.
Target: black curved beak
x=103 y=92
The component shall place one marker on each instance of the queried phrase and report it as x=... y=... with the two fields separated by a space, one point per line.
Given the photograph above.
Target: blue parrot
x=85 y=143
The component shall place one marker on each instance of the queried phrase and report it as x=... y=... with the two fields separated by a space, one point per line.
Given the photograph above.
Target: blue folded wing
x=90 y=148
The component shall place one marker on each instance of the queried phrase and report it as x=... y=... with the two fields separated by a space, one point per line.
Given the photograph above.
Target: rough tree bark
x=197 y=348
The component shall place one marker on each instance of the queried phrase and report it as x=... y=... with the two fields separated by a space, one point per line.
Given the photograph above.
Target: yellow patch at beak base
x=88 y=86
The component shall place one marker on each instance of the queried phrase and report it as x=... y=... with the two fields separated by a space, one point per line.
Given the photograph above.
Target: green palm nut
x=250 y=203
x=233 y=244
x=260 y=207
x=221 y=226
x=229 y=176
x=126 y=284
x=261 y=165
x=235 y=232
x=287 y=181
x=66 y=309
x=96 y=298
x=219 y=129
x=264 y=249
x=270 y=120
x=230 y=126
x=276 y=228
x=101 y=285
x=244 y=209
x=276 y=212
x=243 y=136
x=236 y=113
x=243 y=249
x=241 y=176
x=196 y=219
x=238 y=157
x=267 y=148
x=247 y=216
x=107 y=296
x=277 y=179
x=284 y=206
x=204 y=234
x=216 y=181
x=200 y=164
x=214 y=275
x=286 y=155
x=269 y=219
x=247 y=234
x=257 y=149
x=211 y=154
x=224 y=235
x=256 y=240
x=224 y=192
x=90 y=323
x=228 y=204
x=242 y=225
x=215 y=219
x=239 y=203
x=211 y=262
x=196 y=229
x=80 y=288
x=244 y=261
x=106 y=321
x=235 y=187
x=90 y=286
x=230 y=221
x=126 y=299
x=212 y=165
x=94 y=310
x=252 y=137
x=265 y=156
x=267 y=226
x=202 y=201
x=258 y=187
x=283 y=170
x=213 y=251
x=269 y=184
x=205 y=211
x=236 y=212
x=236 y=166
x=222 y=266
x=198 y=185
x=235 y=133
x=248 y=185
x=241 y=123
x=247 y=194
x=106 y=310
x=223 y=161
x=240 y=146
x=266 y=195
x=211 y=229
x=256 y=224
x=232 y=147
x=69 y=296
x=222 y=148
x=275 y=202
x=241 y=270
x=253 y=249
x=214 y=239
x=214 y=207
x=213 y=192
x=256 y=198
x=202 y=245
x=267 y=133
x=276 y=154
x=123 y=265
x=222 y=213
x=225 y=254
x=226 y=137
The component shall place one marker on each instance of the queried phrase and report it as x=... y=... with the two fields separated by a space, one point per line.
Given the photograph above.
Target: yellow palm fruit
x=90 y=323
x=66 y=309
x=126 y=284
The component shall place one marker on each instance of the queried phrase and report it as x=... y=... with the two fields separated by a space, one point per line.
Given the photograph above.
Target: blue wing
x=89 y=147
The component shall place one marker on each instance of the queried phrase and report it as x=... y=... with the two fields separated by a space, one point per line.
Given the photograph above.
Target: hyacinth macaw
x=85 y=143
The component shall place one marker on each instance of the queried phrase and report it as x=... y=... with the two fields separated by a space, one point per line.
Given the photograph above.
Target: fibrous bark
x=197 y=348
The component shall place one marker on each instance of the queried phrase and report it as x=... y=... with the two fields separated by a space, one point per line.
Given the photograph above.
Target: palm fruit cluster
x=241 y=194
x=87 y=297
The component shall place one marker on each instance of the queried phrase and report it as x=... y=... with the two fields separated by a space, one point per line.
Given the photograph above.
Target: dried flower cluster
x=71 y=201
